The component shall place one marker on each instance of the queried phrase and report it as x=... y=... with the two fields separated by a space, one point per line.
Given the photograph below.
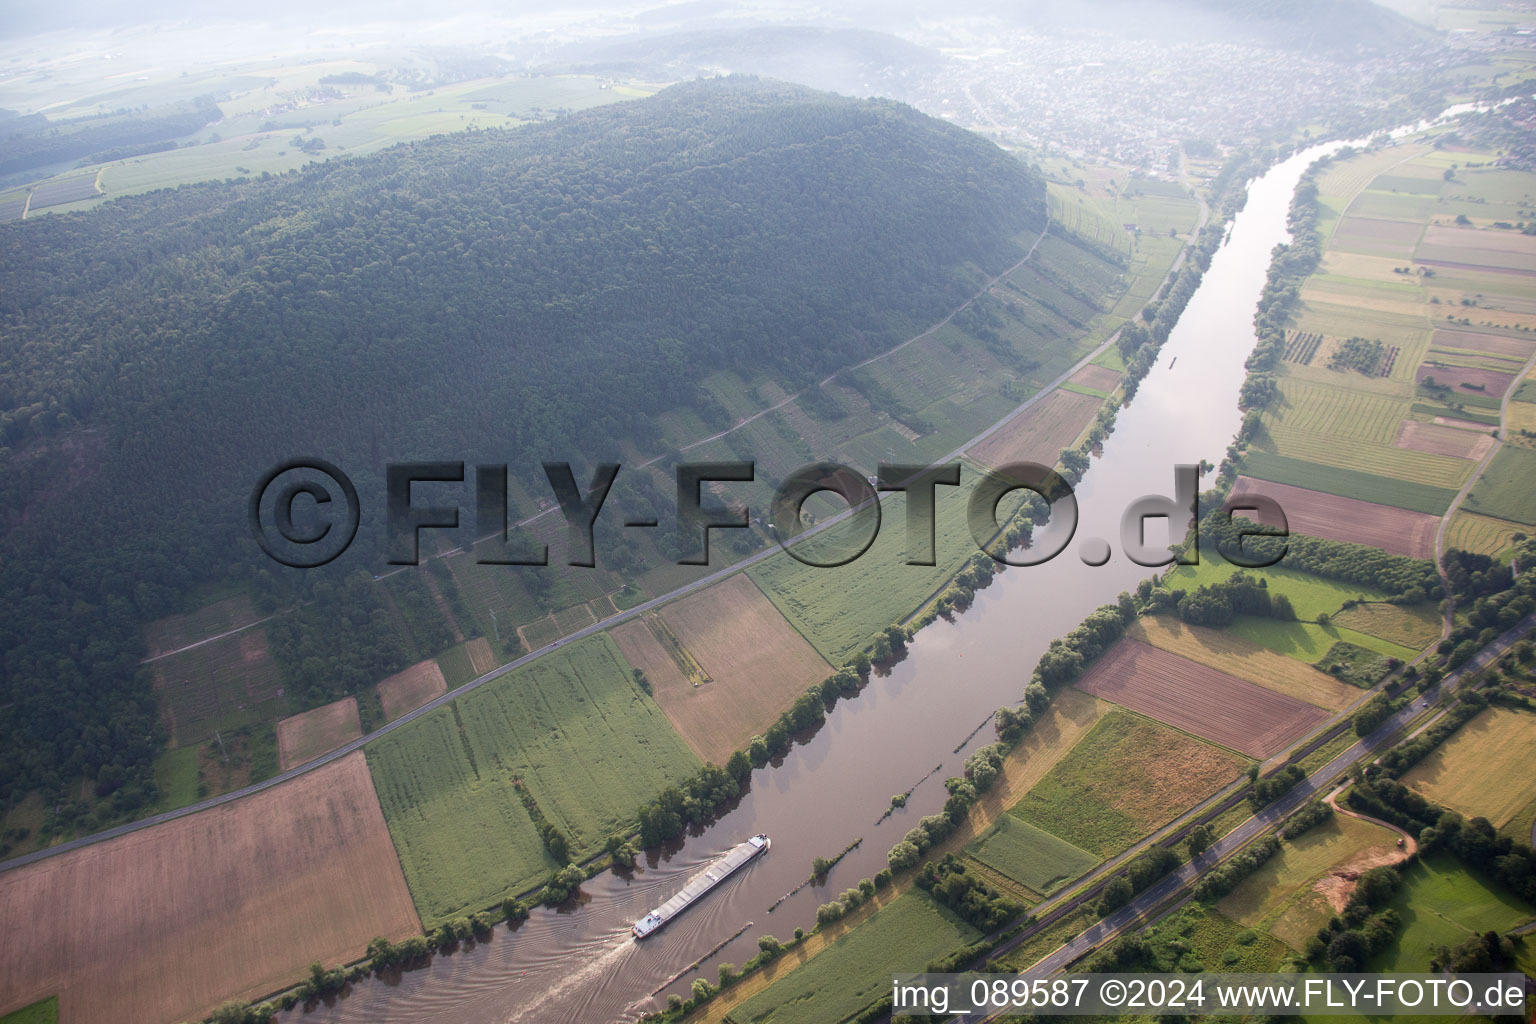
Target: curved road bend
x=596 y=627
x=1319 y=782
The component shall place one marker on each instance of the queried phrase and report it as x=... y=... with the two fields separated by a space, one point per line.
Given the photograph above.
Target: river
x=582 y=966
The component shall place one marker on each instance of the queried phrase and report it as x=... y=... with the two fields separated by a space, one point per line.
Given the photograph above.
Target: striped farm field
x=1200 y=700
x=1350 y=485
x=1244 y=659
x=1030 y=855
x=1414 y=626
x=1319 y=514
x=1484 y=769
x=572 y=728
x=1348 y=429
x=1482 y=535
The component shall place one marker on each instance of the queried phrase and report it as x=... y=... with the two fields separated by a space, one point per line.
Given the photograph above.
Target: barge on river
x=701 y=883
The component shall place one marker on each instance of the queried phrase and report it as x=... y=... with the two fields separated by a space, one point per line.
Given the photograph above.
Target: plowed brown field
x=304 y=737
x=163 y=924
x=1442 y=440
x=1396 y=531
x=1190 y=696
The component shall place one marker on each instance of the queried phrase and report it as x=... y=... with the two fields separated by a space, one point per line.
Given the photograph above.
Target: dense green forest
x=512 y=296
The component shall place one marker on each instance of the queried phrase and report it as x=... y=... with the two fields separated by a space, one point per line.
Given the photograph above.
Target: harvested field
x=165 y=923
x=1190 y=696
x=756 y=662
x=1496 y=344
x=222 y=684
x=1041 y=431
x=1244 y=659
x=304 y=737
x=1438 y=440
x=1396 y=531
x=409 y=690
x=1481 y=535
x=1484 y=769
x=1127 y=777
x=1416 y=626
x=1489 y=382
x=1100 y=378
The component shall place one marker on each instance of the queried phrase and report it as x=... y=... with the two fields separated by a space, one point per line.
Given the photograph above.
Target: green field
x=1309 y=595
x=589 y=746
x=44 y=1011
x=1309 y=642
x=1415 y=497
x=1505 y=490
x=856 y=969
x=1030 y=855
x=176 y=777
x=840 y=609
x=1128 y=776
x=1443 y=904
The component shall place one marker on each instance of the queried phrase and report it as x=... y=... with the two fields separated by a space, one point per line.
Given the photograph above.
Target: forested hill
x=518 y=295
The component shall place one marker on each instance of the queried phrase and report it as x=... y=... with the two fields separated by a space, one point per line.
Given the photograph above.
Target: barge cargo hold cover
x=700 y=884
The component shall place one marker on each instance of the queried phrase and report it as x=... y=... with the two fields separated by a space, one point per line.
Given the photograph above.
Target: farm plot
x=1441 y=903
x=1240 y=657
x=12 y=207
x=1481 y=534
x=1296 y=891
x=1501 y=250
x=1123 y=780
x=67 y=190
x=840 y=609
x=233 y=901
x=410 y=689
x=855 y=969
x=1375 y=237
x=756 y=663
x=1040 y=432
x=573 y=729
x=1201 y=700
x=1463 y=378
x=1484 y=769
x=1494 y=344
x=1442 y=440
x=222 y=684
x=1030 y=856
x=1414 y=627
x=1099 y=378
x=306 y=736
x=1350 y=429
x=1504 y=491
x=1395 y=530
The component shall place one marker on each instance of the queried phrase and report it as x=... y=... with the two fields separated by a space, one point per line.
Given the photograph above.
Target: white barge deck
x=700 y=884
